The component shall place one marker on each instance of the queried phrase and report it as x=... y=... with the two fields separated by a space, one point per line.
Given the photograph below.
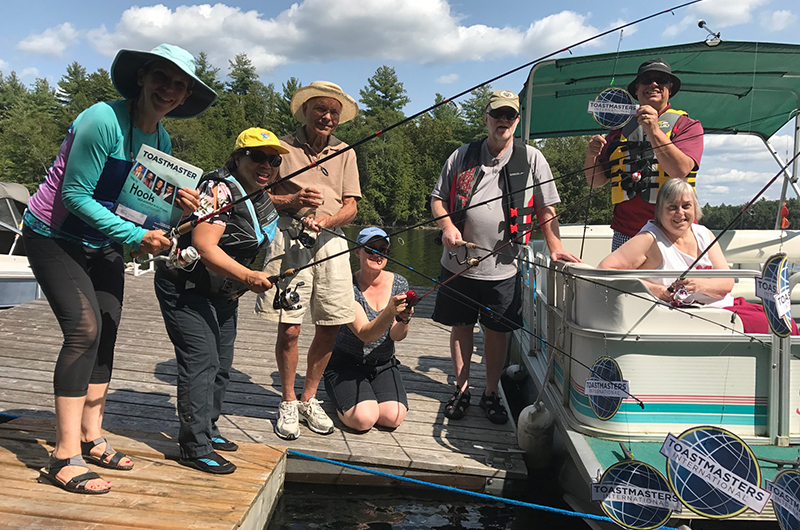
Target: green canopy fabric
x=732 y=88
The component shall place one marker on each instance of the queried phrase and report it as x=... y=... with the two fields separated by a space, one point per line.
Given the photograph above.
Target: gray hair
x=670 y=192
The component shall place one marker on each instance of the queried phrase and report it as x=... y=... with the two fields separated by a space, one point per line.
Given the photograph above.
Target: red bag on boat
x=753 y=317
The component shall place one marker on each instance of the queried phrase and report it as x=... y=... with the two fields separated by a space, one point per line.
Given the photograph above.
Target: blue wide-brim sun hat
x=125 y=73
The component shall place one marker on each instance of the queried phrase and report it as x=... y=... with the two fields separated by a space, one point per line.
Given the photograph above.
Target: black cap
x=655 y=65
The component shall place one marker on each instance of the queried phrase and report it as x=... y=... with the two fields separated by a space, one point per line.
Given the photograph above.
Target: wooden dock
x=158 y=493
x=142 y=397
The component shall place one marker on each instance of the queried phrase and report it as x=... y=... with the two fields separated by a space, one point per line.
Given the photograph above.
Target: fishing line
x=474 y=303
x=188 y=226
x=458 y=490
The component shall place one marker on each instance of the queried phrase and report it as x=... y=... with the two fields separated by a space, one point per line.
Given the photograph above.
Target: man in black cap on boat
x=660 y=143
x=477 y=174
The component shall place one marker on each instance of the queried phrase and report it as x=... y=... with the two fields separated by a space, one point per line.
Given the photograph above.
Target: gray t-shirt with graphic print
x=485 y=225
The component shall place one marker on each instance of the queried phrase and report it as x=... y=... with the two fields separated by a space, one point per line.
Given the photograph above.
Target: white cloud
x=30 y=72
x=778 y=20
x=717 y=13
x=52 y=41
x=423 y=31
x=4 y=66
x=447 y=79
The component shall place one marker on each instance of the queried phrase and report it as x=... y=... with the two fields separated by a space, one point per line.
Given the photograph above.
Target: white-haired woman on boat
x=74 y=244
x=672 y=241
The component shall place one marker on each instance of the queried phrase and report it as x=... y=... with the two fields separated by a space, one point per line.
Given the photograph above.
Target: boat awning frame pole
x=787 y=180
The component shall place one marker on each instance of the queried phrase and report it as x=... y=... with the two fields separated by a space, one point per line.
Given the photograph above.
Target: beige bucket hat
x=323 y=89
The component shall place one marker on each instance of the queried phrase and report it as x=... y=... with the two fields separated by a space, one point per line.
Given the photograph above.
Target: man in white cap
x=508 y=182
x=659 y=144
x=326 y=195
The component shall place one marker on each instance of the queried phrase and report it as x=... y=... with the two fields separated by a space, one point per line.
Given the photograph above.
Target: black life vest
x=518 y=183
x=250 y=228
x=631 y=154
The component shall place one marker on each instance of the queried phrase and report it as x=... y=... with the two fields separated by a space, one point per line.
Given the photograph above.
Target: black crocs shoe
x=210 y=463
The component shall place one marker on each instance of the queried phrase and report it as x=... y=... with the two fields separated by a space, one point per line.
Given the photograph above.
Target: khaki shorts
x=328 y=286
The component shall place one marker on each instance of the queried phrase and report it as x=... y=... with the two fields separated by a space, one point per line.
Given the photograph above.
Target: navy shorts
x=348 y=383
x=463 y=300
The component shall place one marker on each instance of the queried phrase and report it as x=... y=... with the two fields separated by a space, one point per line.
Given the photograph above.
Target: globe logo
x=776 y=273
x=630 y=477
x=605 y=369
x=612 y=120
x=789 y=481
x=731 y=453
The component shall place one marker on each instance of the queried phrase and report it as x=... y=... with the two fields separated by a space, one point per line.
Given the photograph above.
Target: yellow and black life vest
x=634 y=166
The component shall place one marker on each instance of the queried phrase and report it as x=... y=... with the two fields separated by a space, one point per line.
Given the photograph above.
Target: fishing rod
x=189 y=225
x=736 y=218
x=464 y=298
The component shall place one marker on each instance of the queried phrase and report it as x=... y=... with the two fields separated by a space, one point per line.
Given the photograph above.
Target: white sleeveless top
x=673 y=259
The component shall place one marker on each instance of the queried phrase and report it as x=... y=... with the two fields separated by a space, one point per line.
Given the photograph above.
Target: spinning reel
x=175 y=258
x=467 y=260
x=287 y=299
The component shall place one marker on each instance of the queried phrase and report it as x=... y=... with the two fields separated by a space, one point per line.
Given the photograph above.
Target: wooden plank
x=142 y=394
x=158 y=493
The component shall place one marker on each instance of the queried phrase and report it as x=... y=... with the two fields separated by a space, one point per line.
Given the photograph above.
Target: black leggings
x=84 y=287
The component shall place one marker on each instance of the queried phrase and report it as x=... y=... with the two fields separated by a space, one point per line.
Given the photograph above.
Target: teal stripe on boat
x=679 y=413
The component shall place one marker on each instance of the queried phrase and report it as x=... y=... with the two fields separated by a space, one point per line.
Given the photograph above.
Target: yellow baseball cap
x=257 y=137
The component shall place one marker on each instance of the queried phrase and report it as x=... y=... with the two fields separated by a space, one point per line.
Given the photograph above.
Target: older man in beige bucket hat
x=326 y=194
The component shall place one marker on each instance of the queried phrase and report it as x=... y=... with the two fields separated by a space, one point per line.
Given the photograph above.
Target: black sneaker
x=220 y=443
x=210 y=463
x=495 y=410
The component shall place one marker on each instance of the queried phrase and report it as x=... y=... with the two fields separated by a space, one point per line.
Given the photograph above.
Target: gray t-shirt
x=485 y=224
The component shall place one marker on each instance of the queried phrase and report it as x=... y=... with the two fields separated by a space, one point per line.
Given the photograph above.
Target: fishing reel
x=466 y=261
x=287 y=299
x=303 y=237
x=176 y=258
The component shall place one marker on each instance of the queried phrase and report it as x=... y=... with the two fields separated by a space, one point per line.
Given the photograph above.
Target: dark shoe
x=110 y=459
x=457 y=405
x=495 y=410
x=220 y=443
x=77 y=484
x=210 y=463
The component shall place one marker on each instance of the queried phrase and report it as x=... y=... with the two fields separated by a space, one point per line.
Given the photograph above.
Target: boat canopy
x=731 y=87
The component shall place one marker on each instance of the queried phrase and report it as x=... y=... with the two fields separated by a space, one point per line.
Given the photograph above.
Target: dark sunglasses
x=661 y=79
x=504 y=112
x=259 y=157
x=378 y=250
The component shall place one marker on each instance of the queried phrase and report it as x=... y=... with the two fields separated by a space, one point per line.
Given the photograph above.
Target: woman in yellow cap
x=200 y=304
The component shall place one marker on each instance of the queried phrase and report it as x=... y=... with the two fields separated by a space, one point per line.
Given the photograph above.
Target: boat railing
x=576 y=311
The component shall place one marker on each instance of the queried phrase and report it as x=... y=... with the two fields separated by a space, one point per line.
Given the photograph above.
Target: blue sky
x=434 y=45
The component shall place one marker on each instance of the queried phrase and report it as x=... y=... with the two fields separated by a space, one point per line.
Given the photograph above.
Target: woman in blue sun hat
x=74 y=244
x=200 y=305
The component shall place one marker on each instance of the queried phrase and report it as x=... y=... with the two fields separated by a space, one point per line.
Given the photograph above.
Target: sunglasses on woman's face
x=379 y=250
x=259 y=157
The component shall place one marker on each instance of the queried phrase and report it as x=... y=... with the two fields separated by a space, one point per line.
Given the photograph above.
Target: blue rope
x=466 y=492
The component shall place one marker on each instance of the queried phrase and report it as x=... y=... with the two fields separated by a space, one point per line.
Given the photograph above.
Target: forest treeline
x=397 y=169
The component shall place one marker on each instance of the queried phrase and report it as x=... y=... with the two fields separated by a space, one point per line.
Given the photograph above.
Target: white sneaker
x=288 y=426
x=313 y=415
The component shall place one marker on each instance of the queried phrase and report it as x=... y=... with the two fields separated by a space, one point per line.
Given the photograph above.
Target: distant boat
x=17 y=283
